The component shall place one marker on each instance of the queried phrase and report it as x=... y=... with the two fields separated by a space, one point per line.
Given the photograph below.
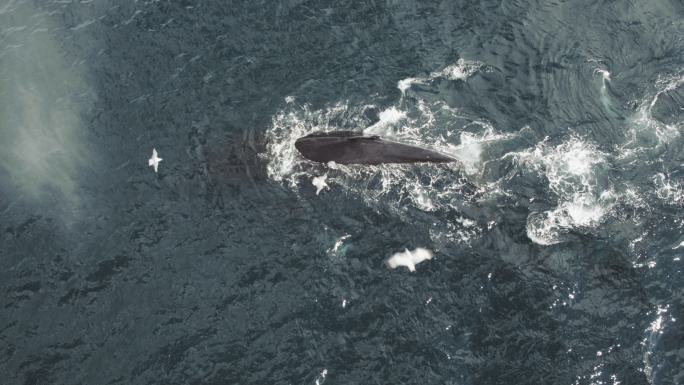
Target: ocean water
x=556 y=241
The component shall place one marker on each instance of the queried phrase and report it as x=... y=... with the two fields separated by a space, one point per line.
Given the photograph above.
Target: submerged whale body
x=350 y=147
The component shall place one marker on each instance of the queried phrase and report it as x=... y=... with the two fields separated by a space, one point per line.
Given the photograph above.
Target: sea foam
x=461 y=70
x=574 y=171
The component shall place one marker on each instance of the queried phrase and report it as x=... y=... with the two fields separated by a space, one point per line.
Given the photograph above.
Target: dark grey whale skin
x=349 y=147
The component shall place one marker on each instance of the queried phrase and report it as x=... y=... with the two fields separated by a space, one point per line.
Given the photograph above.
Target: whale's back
x=349 y=147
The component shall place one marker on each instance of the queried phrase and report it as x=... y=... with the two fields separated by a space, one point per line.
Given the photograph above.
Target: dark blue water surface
x=557 y=237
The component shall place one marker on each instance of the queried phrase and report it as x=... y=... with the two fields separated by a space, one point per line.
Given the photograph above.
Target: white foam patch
x=461 y=70
x=574 y=173
x=604 y=74
x=652 y=144
x=461 y=230
x=583 y=210
x=404 y=84
x=338 y=246
x=409 y=258
x=587 y=211
x=470 y=149
x=652 y=337
x=388 y=118
x=668 y=190
x=422 y=198
x=321 y=377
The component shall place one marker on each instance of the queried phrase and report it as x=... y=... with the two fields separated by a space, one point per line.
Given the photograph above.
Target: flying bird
x=154 y=160
x=409 y=258
x=319 y=182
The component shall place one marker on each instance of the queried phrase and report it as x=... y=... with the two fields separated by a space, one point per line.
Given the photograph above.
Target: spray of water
x=41 y=132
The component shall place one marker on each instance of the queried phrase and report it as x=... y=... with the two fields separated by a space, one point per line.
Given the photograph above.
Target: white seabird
x=154 y=160
x=409 y=258
x=319 y=182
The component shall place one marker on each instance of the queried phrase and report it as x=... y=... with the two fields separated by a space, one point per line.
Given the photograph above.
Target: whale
x=352 y=147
